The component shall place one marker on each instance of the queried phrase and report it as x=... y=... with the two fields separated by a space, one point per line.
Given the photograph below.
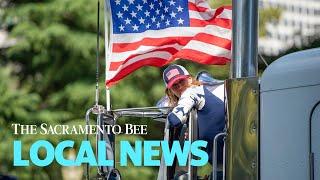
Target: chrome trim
x=193 y=136
x=215 y=157
x=244 y=38
x=87 y=173
x=242 y=141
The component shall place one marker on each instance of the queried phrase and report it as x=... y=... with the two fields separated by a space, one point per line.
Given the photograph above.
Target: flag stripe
x=164 y=33
x=226 y=14
x=226 y=23
x=158 y=62
x=214 y=40
x=202 y=58
x=122 y=47
x=193 y=7
x=200 y=15
x=210 y=49
x=200 y=3
x=144 y=49
x=185 y=53
x=163 y=52
x=171 y=32
x=217 y=46
x=227 y=7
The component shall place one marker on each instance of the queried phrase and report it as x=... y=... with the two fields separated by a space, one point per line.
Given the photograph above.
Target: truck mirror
x=207 y=79
x=163 y=102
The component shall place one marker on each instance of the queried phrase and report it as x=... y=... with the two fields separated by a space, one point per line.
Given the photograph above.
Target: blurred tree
x=53 y=75
x=267 y=15
x=20 y=106
x=50 y=80
x=56 y=42
x=219 y=3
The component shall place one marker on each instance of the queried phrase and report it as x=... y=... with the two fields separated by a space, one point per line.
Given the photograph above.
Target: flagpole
x=97 y=56
x=110 y=145
x=107 y=51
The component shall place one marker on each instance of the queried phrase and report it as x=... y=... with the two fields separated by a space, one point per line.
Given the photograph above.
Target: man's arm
x=192 y=97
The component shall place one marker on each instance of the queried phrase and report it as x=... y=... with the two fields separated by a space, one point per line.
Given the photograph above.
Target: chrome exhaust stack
x=242 y=92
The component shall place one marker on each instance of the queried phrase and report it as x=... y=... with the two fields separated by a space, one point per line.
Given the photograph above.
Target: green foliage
x=52 y=77
x=16 y=104
x=267 y=15
x=53 y=42
x=219 y=3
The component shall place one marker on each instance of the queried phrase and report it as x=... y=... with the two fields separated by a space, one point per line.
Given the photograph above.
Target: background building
x=298 y=25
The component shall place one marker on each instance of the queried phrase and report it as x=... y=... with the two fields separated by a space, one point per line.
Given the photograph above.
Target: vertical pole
x=87 y=167
x=107 y=50
x=111 y=138
x=244 y=38
x=243 y=95
x=97 y=55
x=193 y=136
x=99 y=137
x=108 y=99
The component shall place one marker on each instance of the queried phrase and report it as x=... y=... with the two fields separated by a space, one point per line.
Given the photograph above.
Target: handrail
x=193 y=135
x=99 y=111
x=99 y=137
x=87 y=175
x=141 y=108
x=158 y=114
x=215 y=157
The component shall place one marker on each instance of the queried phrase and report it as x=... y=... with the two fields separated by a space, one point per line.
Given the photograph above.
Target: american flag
x=156 y=32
